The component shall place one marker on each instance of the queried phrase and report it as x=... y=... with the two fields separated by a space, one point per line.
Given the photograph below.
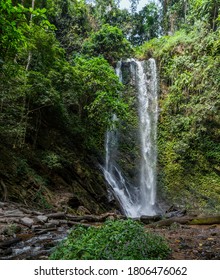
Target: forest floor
x=30 y=234
x=192 y=242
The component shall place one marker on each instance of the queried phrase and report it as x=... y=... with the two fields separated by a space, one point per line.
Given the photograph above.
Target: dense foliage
x=49 y=90
x=115 y=240
x=101 y=43
x=40 y=45
x=58 y=90
x=189 y=136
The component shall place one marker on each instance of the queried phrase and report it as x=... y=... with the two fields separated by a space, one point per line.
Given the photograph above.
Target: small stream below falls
x=29 y=234
x=37 y=247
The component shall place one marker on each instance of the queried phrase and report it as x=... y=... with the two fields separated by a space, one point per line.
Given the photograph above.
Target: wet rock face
x=129 y=153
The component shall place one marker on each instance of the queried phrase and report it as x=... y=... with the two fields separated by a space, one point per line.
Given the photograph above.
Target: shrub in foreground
x=115 y=240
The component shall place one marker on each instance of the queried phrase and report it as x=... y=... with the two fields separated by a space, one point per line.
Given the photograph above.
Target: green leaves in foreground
x=115 y=240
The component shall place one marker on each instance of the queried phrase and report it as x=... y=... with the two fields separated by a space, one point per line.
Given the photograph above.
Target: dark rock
x=2 y=204
x=5 y=252
x=150 y=219
x=74 y=202
x=172 y=208
x=176 y=213
x=59 y=215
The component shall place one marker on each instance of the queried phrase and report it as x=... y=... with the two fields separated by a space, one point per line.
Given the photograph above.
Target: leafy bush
x=115 y=240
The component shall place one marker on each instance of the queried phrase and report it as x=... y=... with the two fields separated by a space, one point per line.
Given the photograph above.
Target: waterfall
x=139 y=199
x=120 y=187
x=148 y=114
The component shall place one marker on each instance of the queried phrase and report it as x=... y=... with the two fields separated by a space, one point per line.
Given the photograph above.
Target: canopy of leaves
x=11 y=32
x=146 y=24
x=110 y=42
x=184 y=13
x=95 y=95
x=38 y=81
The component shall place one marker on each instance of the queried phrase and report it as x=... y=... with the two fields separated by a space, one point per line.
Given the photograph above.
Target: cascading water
x=148 y=114
x=140 y=199
x=121 y=188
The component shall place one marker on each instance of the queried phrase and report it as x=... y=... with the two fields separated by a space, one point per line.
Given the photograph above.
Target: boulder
x=42 y=219
x=27 y=222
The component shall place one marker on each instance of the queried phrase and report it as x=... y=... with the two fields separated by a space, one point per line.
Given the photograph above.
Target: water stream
x=139 y=199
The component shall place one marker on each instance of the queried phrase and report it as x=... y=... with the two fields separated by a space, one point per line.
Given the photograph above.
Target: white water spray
x=137 y=200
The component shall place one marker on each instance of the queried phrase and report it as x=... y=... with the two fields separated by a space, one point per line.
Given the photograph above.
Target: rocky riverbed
x=30 y=234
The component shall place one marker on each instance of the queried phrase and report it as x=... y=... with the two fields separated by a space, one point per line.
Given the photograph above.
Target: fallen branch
x=59 y=215
x=150 y=219
x=71 y=223
x=45 y=230
x=94 y=218
x=187 y=220
x=168 y=222
x=209 y=220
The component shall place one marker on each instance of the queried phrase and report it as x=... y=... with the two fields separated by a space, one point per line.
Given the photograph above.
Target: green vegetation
x=115 y=240
x=54 y=91
x=188 y=138
x=58 y=91
x=101 y=43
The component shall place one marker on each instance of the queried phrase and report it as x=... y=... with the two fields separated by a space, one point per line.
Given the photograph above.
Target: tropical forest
x=109 y=130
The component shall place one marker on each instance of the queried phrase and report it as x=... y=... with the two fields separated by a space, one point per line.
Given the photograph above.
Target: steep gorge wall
x=189 y=119
x=57 y=175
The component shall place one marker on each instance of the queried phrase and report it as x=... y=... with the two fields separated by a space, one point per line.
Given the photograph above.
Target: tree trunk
x=24 y=114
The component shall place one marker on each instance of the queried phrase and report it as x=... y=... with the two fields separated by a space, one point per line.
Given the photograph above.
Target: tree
x=206 y=10
x=11 y=31
x=174 y=14
x=29 y=52
x=73 y=23
x=95 y=92
x=146 y=24
x=110 y=42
